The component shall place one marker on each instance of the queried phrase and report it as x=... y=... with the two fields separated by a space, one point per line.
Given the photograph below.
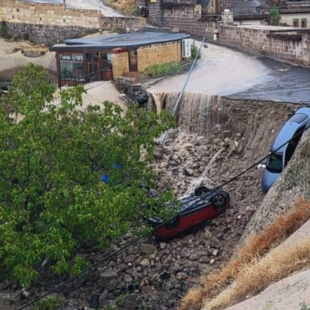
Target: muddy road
x=225 y=72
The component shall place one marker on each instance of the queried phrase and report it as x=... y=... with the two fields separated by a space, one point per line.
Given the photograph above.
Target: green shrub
x=17 y=37
x=119 y=30
x=134 y=10
x=4 y=31
x=194 y=52
x=163 y=69
x=26 y=36
x=50 y=303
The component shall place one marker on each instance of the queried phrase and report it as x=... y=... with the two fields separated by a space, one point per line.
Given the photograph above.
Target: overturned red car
x=204 y=205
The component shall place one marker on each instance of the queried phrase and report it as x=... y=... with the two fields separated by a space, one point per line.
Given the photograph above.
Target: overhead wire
x=204 y=196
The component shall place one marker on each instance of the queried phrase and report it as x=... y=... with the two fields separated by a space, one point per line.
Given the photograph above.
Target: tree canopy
x=53 y=155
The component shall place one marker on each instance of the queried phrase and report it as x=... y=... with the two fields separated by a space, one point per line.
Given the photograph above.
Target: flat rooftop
x=271 y=28
x=127 y=40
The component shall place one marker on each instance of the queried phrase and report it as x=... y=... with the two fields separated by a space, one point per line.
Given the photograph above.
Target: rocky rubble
x=151 y=275
x=155 y=275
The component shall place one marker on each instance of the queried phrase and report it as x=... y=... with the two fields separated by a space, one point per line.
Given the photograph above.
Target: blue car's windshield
x=274 y=163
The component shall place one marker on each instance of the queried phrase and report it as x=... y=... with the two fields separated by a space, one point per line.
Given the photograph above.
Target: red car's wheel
x=200 y=190
x=218 y=201
x=173 y=223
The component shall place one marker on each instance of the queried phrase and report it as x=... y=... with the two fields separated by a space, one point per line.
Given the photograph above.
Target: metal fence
x=89 y=79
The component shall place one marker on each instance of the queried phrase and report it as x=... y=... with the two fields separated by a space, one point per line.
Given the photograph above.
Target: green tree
x=52 y=159
x=274 y=15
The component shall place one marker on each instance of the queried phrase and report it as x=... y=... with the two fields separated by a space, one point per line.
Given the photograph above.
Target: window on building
x=106 y=60
x=296 y=22
x=304 y=22
x=71 y=66
x=77 y=57
x=92 y=57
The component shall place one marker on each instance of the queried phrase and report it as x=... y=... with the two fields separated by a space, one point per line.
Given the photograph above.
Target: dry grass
x=122 y=5
x=213 y=283
x=257 y=275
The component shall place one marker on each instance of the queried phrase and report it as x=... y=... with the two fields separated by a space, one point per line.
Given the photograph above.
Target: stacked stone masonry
x=258 y=41
x=48 y=14
x=158 y=54
x=120 y=64
x=52 y=23
x=253 y=40
x=45 y=34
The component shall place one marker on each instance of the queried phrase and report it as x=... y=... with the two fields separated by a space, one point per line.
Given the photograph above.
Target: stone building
x=107 y=57
x=295 y=13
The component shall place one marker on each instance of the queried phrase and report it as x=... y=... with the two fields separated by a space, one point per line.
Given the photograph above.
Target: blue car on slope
x=294 y=127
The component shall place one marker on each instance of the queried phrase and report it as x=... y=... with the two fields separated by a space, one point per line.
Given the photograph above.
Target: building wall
x=158 y=54
x=120 y=64
x=248 y=38
x=227 y=4
x=289 y=18
x=256 y=41
x=147 y=56
x=155 y=12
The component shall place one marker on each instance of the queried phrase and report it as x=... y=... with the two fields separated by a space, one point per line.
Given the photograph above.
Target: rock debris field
x=155 y=275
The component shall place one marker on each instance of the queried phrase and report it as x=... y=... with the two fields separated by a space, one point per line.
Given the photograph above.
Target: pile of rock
x=153 y=275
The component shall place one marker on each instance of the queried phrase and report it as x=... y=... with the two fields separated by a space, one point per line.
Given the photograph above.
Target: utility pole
x=162 y=140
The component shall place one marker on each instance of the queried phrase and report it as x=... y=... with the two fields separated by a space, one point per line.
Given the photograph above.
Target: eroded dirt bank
x=153 y=275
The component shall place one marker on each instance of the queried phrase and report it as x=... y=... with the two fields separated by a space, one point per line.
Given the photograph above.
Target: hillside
x=269 y=258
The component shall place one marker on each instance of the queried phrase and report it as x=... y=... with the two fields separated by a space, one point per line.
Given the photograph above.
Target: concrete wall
x=158 y=54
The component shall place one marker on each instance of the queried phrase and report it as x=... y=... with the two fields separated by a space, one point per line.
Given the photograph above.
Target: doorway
x=93 y=72
x=133 y=61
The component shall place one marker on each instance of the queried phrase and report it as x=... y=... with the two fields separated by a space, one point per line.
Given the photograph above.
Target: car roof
x=290 y=127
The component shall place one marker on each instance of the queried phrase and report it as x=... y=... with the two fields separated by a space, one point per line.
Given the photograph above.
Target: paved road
x=225 y=72
x=285 y=83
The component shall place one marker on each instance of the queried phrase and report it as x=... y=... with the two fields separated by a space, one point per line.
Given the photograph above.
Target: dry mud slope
x=152 y=275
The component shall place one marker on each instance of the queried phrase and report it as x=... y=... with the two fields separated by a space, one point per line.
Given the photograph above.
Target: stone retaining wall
x=47 y=14
x=52 y=23
x=45 y=34
x=126 y=23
